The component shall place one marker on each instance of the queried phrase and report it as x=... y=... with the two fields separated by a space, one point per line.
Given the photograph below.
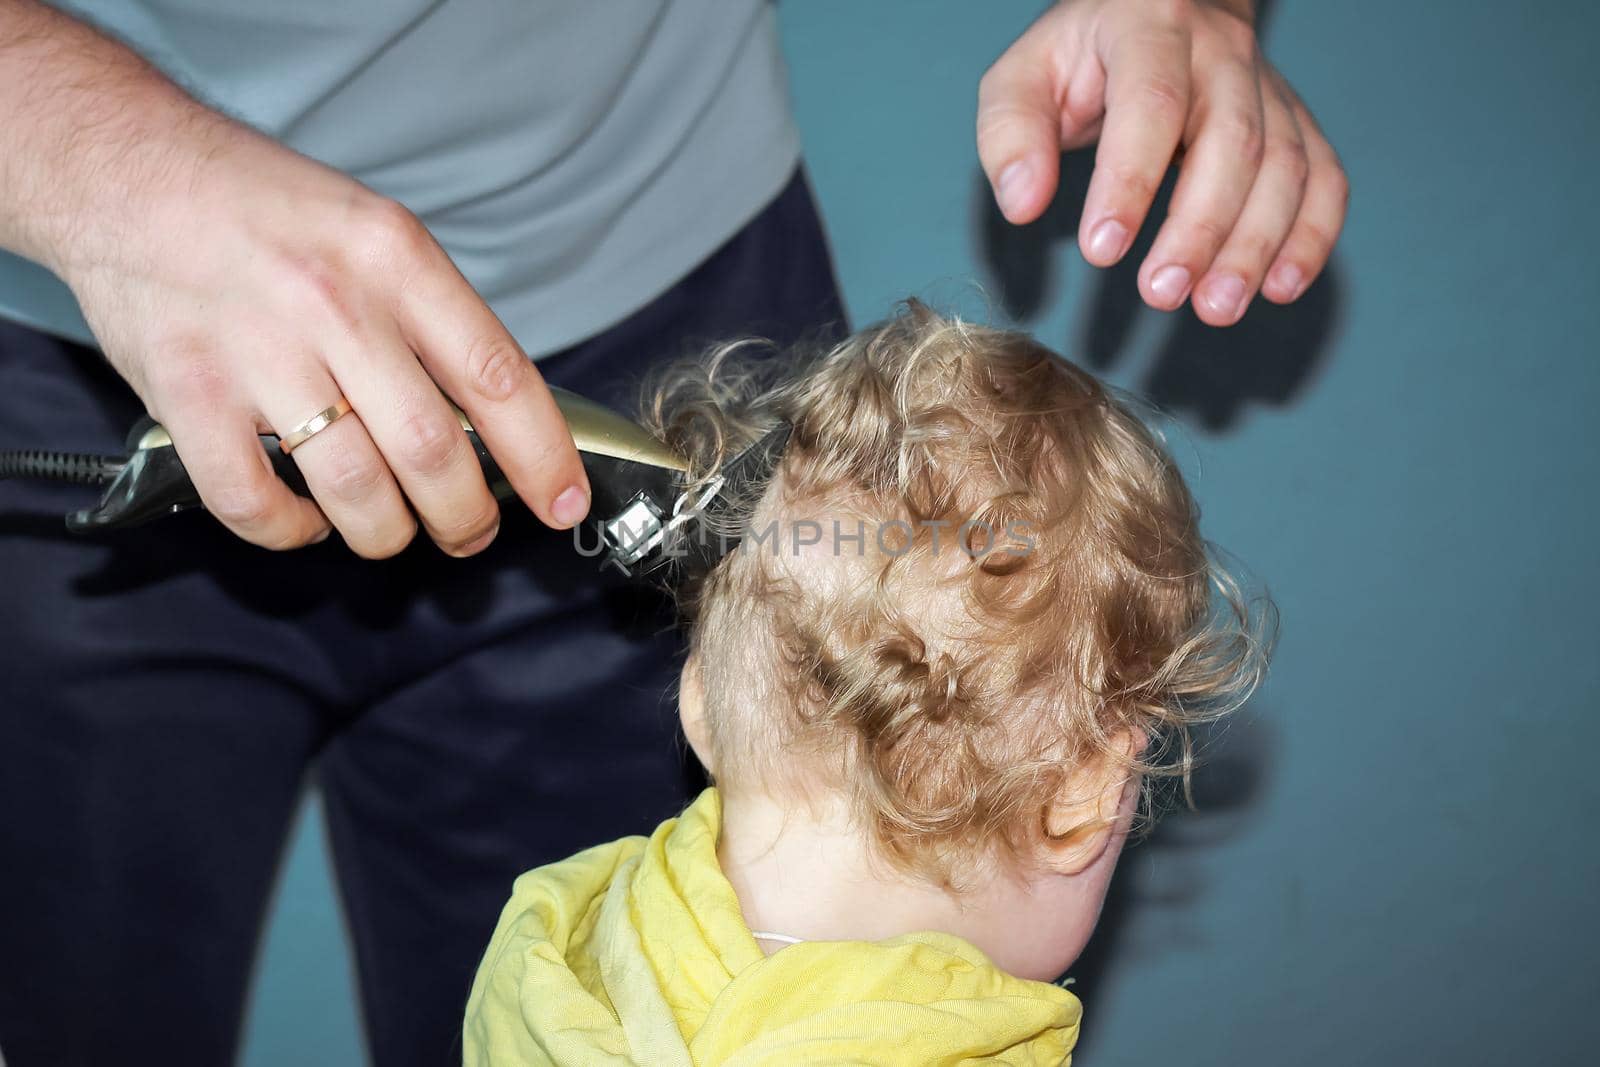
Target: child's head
x=972 y=602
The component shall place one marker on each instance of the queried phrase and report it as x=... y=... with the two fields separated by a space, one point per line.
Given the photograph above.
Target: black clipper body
x=642 y=511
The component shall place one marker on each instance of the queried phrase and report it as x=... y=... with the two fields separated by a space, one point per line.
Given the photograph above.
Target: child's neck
x=811 y=875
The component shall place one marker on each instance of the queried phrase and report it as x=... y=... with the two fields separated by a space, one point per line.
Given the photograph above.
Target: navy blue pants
x=165 y=692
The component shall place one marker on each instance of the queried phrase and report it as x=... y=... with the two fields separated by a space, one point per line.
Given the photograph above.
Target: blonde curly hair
x=1001 y=579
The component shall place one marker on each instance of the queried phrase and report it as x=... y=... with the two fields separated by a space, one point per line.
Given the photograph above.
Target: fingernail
x=1107 y=242
x=321 y=537
x=481 y=543
x=1170 y=285
x=1288 y=280
x=1013 y=186
x=1224 y=296
x=570 y=507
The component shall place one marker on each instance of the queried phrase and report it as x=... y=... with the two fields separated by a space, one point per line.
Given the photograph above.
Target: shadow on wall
x=1202 y=373
x=1160 y=880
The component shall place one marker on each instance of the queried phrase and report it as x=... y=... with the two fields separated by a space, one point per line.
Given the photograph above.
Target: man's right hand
x=241 y=288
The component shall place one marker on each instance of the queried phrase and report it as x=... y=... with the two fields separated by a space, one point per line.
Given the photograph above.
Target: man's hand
x=1260 y=197
x=241 y=288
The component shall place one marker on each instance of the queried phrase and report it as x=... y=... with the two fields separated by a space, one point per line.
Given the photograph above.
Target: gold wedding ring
x=314 y=425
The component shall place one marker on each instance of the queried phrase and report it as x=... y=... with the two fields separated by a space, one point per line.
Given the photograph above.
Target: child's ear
x=692 y=713
x=1093 y=810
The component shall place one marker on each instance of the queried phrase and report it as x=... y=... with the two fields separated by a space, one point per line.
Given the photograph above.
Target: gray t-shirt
x=574 y=157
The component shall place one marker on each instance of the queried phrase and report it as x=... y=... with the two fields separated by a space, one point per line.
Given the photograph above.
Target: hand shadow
x=1211 y=374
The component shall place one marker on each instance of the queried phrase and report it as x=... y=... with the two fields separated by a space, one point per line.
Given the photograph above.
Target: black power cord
x=73 y=468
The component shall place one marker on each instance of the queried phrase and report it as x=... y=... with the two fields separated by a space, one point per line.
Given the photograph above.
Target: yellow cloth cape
x=636 y=953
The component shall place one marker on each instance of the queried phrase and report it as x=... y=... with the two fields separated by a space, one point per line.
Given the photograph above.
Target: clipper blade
x=695 y=535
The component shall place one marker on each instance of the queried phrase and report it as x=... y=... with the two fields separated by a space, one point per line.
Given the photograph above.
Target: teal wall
x=1391 y=863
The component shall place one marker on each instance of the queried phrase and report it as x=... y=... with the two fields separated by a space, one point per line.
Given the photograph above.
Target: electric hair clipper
x=643 y=510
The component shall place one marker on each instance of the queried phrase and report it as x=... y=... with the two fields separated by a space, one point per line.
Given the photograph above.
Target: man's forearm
x=87 y=121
